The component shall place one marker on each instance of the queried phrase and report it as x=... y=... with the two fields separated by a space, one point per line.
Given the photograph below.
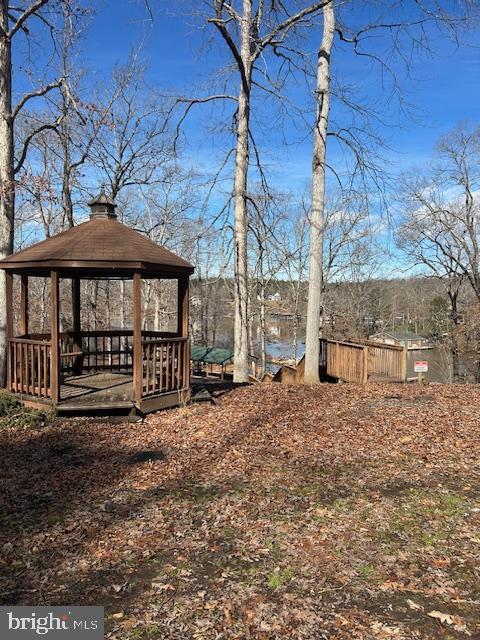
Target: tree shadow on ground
x=62 y=487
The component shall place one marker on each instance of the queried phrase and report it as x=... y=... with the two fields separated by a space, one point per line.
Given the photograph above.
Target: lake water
x=439 y=365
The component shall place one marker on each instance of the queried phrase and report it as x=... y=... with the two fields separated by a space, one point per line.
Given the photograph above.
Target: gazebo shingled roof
x=101 y=243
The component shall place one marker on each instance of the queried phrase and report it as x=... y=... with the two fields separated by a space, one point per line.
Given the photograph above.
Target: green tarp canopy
x=210 y=355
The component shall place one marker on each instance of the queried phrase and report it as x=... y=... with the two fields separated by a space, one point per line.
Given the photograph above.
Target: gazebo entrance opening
x=69 y=356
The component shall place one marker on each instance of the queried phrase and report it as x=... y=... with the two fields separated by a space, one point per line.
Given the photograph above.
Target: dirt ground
x=335 y=511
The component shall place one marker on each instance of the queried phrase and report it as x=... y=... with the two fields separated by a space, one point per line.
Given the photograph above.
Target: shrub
x=8 y=403
x=14 y=415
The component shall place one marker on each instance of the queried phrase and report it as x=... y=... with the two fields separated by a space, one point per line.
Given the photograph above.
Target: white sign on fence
x=420 y=366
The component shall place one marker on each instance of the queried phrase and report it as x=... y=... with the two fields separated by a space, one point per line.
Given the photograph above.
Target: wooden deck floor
x=104 y=391
x=97 y=389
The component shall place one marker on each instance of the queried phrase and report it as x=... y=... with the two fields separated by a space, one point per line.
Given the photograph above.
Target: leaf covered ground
x=335 y=511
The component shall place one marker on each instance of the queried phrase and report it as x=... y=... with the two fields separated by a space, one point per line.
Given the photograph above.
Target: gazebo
x=108 y=370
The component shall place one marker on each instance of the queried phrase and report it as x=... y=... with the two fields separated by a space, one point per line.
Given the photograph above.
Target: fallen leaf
x=445 y=618
x=455 y=621
x=441 y=562
x=413 y=605
x=228 y=616
x=118 y=615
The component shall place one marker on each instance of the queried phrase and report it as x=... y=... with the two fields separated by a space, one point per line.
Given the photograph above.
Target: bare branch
x=283 y=28
x=221 y=26
x=35 y=94
x=31 y=136
x=31 y=10
x=192 y=101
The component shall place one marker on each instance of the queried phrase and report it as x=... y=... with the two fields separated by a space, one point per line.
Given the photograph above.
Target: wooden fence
x=344 y=360
x=385 y=360
x=360 y=361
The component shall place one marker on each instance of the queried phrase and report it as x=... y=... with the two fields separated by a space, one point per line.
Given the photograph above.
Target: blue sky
x=183 y=56
x=444 y=91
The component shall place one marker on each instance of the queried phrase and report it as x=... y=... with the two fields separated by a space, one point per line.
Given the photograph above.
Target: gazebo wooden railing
x=166 y=365
x=165 y=360
x=29 y=367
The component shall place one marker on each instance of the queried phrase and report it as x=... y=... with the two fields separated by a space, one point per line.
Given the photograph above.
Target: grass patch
x=425 y=518
x=279 y=577
x=366 y=571
x=152 y=631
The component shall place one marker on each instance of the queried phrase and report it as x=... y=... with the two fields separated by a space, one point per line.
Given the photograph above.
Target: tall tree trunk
x=43 y=307
x=315 y=284
x=157 y=322
x=123 y=295
x=454 y=338
x=205 y=311
x=263 y=324
x=294 y=341
x=296 y=311
x=67 y=201
x=147 y=298
x=7 y=185
x=251 y=347
x=94 y=303
x=240 y=368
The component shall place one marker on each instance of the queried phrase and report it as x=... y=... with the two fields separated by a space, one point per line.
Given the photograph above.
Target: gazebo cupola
x=102 y=206
x=82 y=370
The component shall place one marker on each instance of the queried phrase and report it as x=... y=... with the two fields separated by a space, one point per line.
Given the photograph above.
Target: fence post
x=365 y=365
x=404 y=364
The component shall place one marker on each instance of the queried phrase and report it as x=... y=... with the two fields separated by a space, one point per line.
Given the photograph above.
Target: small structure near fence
x=360 y=361
x=81 y=370
x=402 y=339
x=204 y=356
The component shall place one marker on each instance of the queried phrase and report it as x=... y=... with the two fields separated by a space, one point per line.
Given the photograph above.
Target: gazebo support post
x=182 y=326
x=23 y=329
x=9 y=327
x=77 y=329
x=54 y=336
x=137 y=338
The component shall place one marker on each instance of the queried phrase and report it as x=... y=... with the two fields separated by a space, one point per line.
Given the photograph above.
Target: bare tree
x=312 y=352
x=400 y=31
x=249 y=28
x=14 y=22
x=441 y=215
x=295 y=247
x=265 y=217
x=134 y=148
x=81 y=120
